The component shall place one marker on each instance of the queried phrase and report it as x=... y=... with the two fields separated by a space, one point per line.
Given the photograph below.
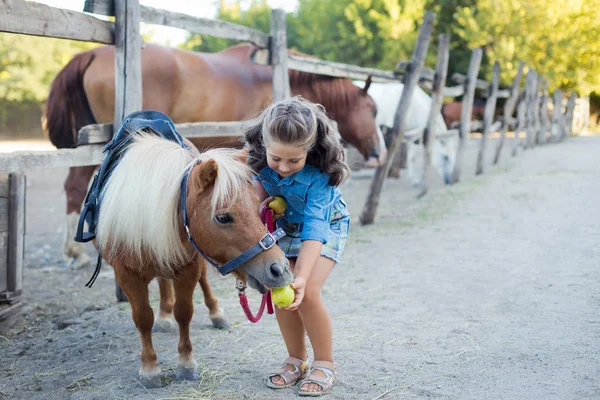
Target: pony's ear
x=242 y=155
x=207 y=173
x=367 y=85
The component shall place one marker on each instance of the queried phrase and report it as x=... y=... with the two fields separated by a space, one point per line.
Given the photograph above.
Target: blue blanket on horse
x=152 y=121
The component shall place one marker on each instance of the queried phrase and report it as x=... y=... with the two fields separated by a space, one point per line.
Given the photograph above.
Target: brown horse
x=192 y=87
x=452 y=111
x=164 y=210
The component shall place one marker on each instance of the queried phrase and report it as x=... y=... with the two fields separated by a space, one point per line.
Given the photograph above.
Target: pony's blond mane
x=140 y=201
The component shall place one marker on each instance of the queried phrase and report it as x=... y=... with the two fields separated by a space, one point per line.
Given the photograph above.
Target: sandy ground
x=484 y=290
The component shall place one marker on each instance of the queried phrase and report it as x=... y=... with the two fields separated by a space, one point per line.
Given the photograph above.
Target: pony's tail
x=67 y=107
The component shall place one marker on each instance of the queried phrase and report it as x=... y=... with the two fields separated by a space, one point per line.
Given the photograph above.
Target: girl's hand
x=265 y=203
x=299 y=285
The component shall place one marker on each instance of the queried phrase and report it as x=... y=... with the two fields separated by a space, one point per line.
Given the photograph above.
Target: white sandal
x=290 y=377
x=327 y=368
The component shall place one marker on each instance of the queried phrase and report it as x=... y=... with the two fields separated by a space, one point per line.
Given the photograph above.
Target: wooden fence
x=30 y=18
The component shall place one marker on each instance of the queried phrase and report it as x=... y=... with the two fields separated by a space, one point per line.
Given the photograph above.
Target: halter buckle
x=240 y=285
x=267 y=241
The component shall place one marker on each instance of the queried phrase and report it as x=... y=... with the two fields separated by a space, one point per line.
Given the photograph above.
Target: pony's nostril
x=276 y=270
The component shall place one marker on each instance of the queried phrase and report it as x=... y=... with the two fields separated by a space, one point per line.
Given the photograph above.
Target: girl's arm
x=309 y=254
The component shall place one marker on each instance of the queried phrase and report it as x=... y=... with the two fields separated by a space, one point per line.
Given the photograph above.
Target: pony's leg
x=76 y=186
x=136 y=290
x=167 y=299
x=184 y=310
x=215 y=313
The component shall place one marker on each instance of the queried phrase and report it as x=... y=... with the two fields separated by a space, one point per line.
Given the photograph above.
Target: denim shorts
x=338 y=234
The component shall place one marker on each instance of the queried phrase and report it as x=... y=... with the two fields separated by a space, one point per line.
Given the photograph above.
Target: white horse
x=387 y=96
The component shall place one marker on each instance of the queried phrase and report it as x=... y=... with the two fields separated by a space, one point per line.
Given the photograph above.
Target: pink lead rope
x=266 y=217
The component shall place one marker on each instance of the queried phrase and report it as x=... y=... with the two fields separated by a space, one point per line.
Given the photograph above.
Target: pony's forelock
x=232 y=176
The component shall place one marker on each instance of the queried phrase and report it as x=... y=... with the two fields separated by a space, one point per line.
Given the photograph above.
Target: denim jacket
x=312 y=203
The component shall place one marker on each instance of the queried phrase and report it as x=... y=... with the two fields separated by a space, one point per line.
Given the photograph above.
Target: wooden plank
x=279 y=56
x=454 y=91
x=397 y=134
x=488 y=117
x=544 y=116
x=204 y=26
x=427 y=74
x=467 y=109
x=30 y=18
x=509 y=109
x=16 y=234
x=128 y=59
x=102 y=133
x=3 y=186
x=521 y=108
x=4 y=196
x=569 y=113
x=480 y=84
x=437 y=97
x=530 y=96
x=330 y=68
x=27 y=160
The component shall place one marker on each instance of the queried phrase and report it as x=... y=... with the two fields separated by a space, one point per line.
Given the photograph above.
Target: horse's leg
x=184 y=310
x=76 y=186
x=136 y=290
x=167 y=299
x=215 y=313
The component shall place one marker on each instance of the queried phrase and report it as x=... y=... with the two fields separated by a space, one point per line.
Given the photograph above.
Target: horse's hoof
x=83 y=260
x=187 y=374
x=219 y=320
x=151 y=382
x=162 y=325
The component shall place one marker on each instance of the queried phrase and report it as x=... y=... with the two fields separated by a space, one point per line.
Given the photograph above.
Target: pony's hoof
x=219 y=319
x=162 y=325
x=151 y=382
x=187 y=374
x=220 y=322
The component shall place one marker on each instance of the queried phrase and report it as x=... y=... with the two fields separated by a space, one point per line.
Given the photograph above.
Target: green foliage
x=558 y=39
x=28 y=64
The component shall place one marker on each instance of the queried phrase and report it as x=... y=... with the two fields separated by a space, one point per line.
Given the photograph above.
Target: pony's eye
x=224 y=218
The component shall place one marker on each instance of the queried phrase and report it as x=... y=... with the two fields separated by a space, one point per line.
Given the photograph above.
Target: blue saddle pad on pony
x=152 y=121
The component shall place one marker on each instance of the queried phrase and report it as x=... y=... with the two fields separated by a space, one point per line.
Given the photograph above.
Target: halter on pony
x=160 y=124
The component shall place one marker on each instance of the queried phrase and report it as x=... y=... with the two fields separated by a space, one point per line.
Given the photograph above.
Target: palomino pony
x=191 y=87
x=164 y=209
x=387 y=96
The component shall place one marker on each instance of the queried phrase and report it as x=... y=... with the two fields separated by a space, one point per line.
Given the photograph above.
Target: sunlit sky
x=166 y=35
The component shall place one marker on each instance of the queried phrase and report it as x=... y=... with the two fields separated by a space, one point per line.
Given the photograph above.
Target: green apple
x=283 y=297
x=278 y=205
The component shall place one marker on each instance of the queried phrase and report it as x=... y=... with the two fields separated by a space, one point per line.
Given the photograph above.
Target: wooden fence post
x=557 y=115
x=488 y=117
x=437 y=97
x=467 y=110
x=128 y=60
x=531 y=94
x=544 y=124
x=521 y=108
x=128 y=69
x=509 y=109
x=569 y=113
x=397 y=134
x=278 y=51
x=12 y=236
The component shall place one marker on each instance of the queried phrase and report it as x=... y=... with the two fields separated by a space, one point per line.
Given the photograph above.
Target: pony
x=191 y=87
x=451 y=112
x=387 y=97
x=166 y=210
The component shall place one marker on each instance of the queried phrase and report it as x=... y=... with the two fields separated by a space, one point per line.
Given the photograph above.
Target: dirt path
x=484 y=290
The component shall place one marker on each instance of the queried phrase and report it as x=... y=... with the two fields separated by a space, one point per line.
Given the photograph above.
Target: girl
x=295 y=152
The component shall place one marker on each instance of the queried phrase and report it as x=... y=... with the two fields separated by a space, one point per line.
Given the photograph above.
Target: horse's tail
x=67 y=106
